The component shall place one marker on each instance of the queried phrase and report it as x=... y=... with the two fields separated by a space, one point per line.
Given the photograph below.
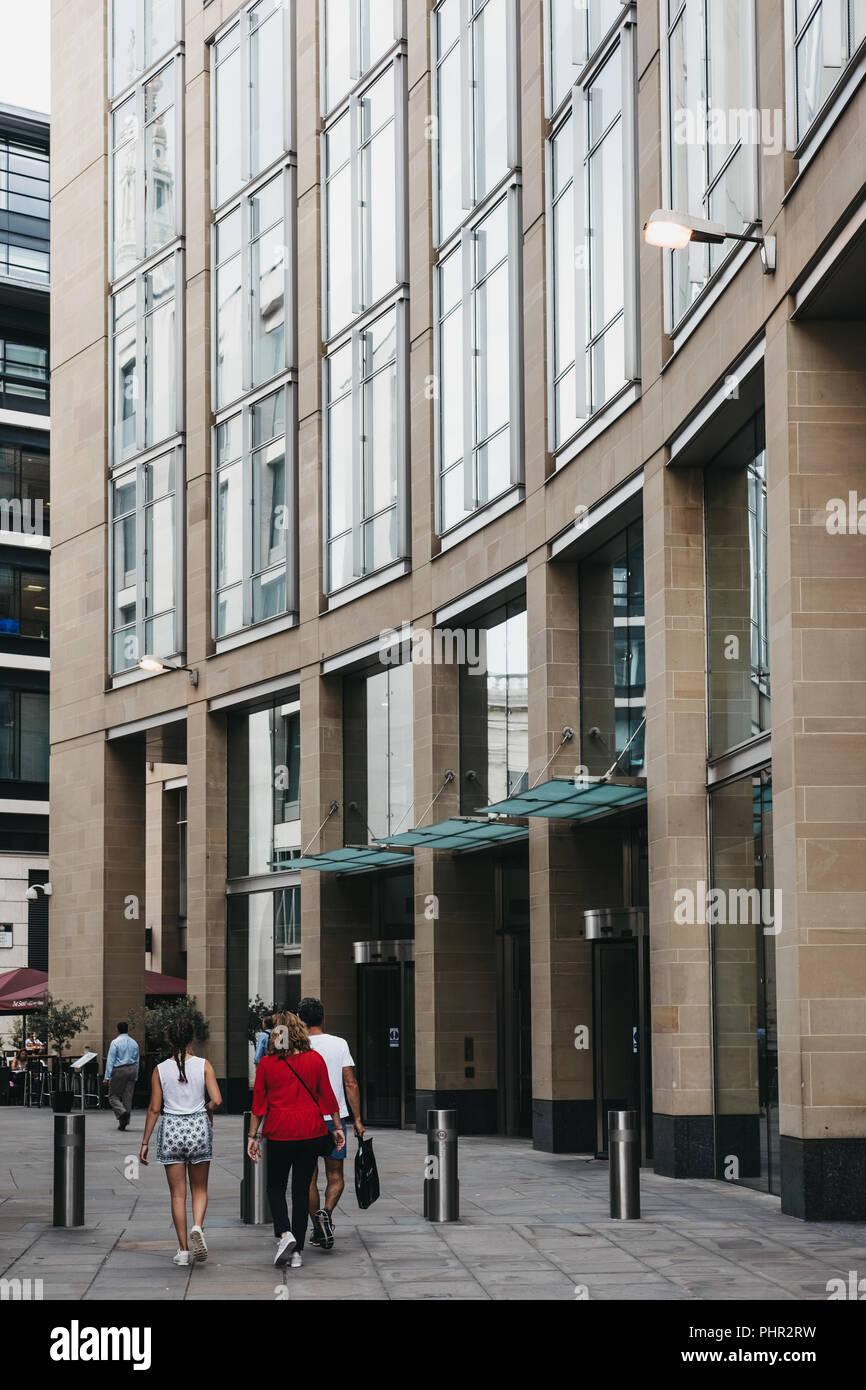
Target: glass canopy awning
x=576 y=799
x=352 y=859
x=459 y=833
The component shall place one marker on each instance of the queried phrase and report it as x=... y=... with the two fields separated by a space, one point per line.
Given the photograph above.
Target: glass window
x=494 y=711
x=145 y=556
x=23 y=375
x=594 y=330
x=713 y=157
x=827 y=34
x=252 y=96
x=363 y=150
x=738 y=629
x=24 y=211
x=479 y=446
x=23 y=735
x=474 y=48
x=145 y=330
x=25 y=601
x=263 y=965
x=574 y=32
x=264 y=817
x=378 y=724
x=743 y=923
x=356 y=34
x=24 y=490
x=612 y=656
x=146 y=208
x=253 y=266
x=254 y=503
x=366 y=448
x=142 y=32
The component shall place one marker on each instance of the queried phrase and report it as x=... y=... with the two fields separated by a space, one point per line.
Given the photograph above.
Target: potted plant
x=59 y=1023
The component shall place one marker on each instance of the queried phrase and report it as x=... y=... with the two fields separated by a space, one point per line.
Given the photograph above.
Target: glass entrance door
x=616 y=1032
x=386 y=1034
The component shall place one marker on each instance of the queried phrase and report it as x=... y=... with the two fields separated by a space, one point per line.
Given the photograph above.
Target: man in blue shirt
x=121 y=1074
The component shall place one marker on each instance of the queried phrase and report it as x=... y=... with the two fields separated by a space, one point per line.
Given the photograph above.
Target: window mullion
x=512 y=62
x=515 y=338
x=355 y=23
x=140 y=176
x=402 y=431
x=580 y=253
x=356 y=229
x=247 y=471
x=357 y=453
x=140 y=378
x=141 y=594
x=467 y=109
x=246 y=90
x=629 y=204
x=246 y=293
x=467 y=313
x=401 y=177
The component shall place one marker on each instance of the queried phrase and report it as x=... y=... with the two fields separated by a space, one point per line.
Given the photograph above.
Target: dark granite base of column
x=563 y=1126
x=477 y=1111
x=683 y=1146
x=823 y=1179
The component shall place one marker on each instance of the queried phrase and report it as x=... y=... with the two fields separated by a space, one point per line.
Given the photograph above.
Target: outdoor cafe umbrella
x=21 y=992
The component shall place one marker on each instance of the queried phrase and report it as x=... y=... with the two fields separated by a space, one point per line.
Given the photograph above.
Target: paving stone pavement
x=533 y=1227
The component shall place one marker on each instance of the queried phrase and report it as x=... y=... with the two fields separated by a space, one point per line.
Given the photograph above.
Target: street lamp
x=155 y=666
x=674 y=230
x=32 y=894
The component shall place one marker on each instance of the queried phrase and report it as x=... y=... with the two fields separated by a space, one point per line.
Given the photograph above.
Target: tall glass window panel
x=743 y=923
x=712 y=158
x=378 y=725
x=478 y=277
x=494 y=711
x=738 y=631
x=125 y=187
x=24 y=743
x=145 y=331
x=574 y=32
x=827 y=35
x=564 y=250
x=252 y=96
x=356 y=34
x=366 y=414
x=145 y=549
x=363 y=155
x=605 y=232
x=254 y=488
x=160 y=161
x=142 y=32
x=253 y=272
x=612 y=656
x=476 y=85
x=264 y=828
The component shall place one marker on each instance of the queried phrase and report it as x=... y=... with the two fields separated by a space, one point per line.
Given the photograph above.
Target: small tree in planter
x=60 y=1022
x=158 y=1017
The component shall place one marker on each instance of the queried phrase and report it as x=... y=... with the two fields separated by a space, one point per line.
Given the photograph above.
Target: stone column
x=816 y=463
x=206 y=875
x=676 y=818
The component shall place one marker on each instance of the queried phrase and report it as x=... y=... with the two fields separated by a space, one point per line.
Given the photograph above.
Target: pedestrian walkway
x=533 y=1226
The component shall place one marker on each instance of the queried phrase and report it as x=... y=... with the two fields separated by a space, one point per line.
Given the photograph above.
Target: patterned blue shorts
x=184 y=1138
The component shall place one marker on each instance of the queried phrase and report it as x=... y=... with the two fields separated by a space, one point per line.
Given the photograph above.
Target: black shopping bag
x=366 y=1175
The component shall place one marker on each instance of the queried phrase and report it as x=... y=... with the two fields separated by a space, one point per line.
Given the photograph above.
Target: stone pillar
x=815 y=393
x=677 y=818
x=206 y=875
x=455 y=944
x=568 y=872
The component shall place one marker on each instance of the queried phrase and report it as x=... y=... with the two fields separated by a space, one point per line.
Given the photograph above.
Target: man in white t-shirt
x=341 y=1074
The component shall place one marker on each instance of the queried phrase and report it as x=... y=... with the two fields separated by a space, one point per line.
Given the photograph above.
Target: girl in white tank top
x=183 y=1095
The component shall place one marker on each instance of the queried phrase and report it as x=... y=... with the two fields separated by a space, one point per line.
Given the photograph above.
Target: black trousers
x=298 y=1157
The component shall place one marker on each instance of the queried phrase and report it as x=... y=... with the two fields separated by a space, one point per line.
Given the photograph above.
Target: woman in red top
x=292 y=1093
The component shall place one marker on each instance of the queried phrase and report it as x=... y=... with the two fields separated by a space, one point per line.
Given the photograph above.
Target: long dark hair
x=180 y=1034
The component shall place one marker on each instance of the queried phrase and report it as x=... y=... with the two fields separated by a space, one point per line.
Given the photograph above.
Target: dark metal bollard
x=441 y=1188
x=623 y=1139
x=69 y=1170
x=255 y=1209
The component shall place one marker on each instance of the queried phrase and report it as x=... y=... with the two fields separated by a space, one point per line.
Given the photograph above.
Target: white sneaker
x=296 y=1261
x=284 y=1249
x=198 y=1244
x=182 y=1257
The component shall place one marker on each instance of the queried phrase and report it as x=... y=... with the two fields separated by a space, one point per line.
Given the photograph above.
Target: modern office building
x=377 y=415
x=25 y=590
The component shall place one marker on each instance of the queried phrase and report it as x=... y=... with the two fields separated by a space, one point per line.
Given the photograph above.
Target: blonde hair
x=299 y=1038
